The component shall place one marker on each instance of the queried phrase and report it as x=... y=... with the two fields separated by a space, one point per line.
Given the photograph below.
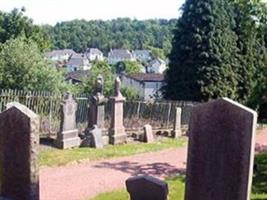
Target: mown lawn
x=56 y=157
x=177 y=184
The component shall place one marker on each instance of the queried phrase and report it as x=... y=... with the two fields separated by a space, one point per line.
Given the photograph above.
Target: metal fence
x=159 y=114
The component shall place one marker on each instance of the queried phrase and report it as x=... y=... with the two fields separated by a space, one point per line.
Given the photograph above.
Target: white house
x=60 y=55
x=156 y=66
x=147 y=85
x=94 y=54
x=78 y=62
x=119 y=55
x=142 y=55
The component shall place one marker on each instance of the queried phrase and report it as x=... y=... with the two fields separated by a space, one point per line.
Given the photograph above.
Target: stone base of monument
x=67 y=139
x=117 y=136
x=176 y=133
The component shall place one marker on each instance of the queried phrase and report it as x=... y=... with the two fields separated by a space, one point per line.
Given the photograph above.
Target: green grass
x=56 y=157
x=177 y=184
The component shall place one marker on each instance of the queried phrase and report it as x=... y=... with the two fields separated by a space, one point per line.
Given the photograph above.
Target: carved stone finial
x=99 y=85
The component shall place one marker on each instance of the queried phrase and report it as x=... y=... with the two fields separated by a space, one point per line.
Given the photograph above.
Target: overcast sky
x=52 y=11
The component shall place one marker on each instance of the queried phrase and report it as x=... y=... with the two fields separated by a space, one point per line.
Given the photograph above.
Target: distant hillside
x=118 y=33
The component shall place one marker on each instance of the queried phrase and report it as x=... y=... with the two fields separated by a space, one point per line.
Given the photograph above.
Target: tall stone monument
x=19 y=143
x=177 y=132
x=117 y=134
x=220 y=151
x=96 y=115
x=67 y=136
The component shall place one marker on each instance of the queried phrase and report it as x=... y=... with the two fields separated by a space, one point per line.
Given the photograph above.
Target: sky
x=53 y=11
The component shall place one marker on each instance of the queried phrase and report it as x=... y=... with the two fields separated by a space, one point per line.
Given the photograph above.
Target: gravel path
x=86 y=180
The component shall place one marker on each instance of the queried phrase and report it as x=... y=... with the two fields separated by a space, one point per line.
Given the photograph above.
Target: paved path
x=86 y=180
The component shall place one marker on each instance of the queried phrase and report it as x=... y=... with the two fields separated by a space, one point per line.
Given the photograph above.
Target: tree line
x=112 y=34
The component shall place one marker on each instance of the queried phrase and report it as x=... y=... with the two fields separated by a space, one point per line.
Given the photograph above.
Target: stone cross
x=177 y=132
x=147 y=188
x=220 y=151
x=117 y=134
x=67 y=136
x=19 y=143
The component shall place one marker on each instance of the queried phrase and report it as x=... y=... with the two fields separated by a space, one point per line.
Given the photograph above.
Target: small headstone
x=19 y=143
x=148 y=134
x=67 y=136
x=177 y=132
x=147 y=188
x=93 y=138
x=220 y=151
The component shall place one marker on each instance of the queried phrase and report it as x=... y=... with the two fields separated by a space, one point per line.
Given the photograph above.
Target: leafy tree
x=15 y=24
x=128 y=67
x=99 y=68
x=130 y=93
x=159 y=53
x=203 y=59
x=249 y=16
x=112 y=34
x=23 y=67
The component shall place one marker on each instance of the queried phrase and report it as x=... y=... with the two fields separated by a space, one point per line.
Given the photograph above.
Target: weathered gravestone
x=93 y=138
x=19 y=142
x=148 y=134
x=147 y=188
x=117 y=134
x=177 y=132
x=67 y=136
x=220 y=151
x=96 y=115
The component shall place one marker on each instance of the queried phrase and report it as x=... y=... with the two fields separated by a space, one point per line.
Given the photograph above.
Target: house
x=119 y=55
x=148 y=85
x=156 y=66
x=78 y=62
x=94 y=54
x=76 y=77
x=60 y=55
x=142 y=55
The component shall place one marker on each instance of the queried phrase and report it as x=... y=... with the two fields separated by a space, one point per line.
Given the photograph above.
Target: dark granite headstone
x=220 y=151
x=147 y=188
x=67 y=136
x=96 y=114
x=19 y=141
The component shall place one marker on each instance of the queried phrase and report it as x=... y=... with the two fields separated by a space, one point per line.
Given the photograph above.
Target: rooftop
x=145 y=77
x=77 y=75
x=121 y=53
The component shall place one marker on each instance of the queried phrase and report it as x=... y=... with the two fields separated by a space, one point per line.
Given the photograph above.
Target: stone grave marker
x=220 y=151
x=177 y=132
x=96 y=115
x=93 y=138
x=67 y=136
x=148 y=134
x=117 y=134
x=19 y=143
x=147 y=188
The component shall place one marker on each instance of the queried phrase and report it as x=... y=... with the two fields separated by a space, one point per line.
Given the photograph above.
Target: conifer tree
x=204 y=57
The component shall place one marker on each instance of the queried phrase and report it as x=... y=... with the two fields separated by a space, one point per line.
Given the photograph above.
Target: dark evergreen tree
x=250 y=20
x=203 y=60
